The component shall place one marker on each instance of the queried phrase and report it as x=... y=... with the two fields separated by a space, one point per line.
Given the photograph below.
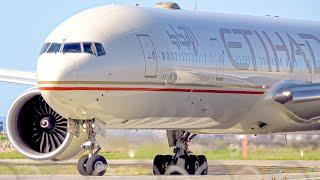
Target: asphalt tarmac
x=220 y=177
x=222 y=169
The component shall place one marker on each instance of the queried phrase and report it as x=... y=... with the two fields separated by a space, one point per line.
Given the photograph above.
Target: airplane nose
x=56 y=68
x=53 y=72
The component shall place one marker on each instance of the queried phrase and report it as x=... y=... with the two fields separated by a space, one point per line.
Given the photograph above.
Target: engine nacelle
x=38 y=132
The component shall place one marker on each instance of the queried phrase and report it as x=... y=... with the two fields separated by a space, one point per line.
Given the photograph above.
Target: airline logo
x=274 y=45
x=182 y=36
x=291 y=49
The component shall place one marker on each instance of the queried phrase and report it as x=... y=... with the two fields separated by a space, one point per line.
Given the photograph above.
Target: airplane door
x=150 y=56
x=218 y=58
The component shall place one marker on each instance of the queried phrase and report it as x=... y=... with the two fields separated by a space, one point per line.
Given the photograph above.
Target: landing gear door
x=218 y=58
x=150 y=56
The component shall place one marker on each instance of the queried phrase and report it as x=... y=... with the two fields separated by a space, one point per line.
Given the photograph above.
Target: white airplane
x=130 y=67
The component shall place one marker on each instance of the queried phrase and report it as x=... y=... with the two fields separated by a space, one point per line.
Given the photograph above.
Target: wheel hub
x=99 y=166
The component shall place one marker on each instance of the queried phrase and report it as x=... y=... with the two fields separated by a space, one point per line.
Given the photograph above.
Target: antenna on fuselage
x=196 y=6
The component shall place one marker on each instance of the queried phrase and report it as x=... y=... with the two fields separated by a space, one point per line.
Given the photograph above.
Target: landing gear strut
x=91 y=164
x=182 y=162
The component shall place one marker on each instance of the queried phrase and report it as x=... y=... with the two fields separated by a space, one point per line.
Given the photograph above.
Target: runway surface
x=222 y=177
x=222 y=169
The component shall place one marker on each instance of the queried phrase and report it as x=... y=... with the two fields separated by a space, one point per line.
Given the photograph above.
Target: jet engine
x=38 y=132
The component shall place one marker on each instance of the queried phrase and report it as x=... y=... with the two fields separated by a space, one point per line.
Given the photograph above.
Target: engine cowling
x=38 y=132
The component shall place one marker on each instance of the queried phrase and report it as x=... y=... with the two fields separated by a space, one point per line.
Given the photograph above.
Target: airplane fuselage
x=176 y=69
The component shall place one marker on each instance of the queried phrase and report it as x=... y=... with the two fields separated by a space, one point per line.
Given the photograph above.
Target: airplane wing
x=18 y=77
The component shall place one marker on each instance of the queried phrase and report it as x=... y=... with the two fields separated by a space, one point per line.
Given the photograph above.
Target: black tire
x=158 y=165
x=192 y=164
x=81 y=166
x=168 y=160
x=176 y=170
x=96 y=165
x=203 y=165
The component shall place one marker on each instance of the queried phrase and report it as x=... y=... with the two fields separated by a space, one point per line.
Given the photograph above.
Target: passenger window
x=100 y=49
x=88 y=48
x=72 y=48
x=45 y=48
x=54 y=48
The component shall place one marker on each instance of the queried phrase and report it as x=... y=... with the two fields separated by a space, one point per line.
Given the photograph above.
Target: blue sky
x=26 y=23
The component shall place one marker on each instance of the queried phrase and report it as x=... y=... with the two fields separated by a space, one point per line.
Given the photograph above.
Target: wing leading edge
x=18 y=77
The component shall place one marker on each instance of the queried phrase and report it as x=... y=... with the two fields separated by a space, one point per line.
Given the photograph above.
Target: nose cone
x=56 y=68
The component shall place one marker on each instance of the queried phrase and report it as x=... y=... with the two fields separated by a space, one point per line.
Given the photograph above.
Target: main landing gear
x=183 y=162
x=91 y=164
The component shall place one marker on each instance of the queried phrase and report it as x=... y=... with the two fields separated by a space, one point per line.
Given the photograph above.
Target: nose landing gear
x=91 y=164
x=183 y=162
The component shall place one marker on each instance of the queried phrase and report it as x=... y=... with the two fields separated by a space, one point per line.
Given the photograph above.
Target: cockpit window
x=72 y=48
x=85 y=47
x=100 y=49
x=88 y=48
x=54 y=48
x=45 y=48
